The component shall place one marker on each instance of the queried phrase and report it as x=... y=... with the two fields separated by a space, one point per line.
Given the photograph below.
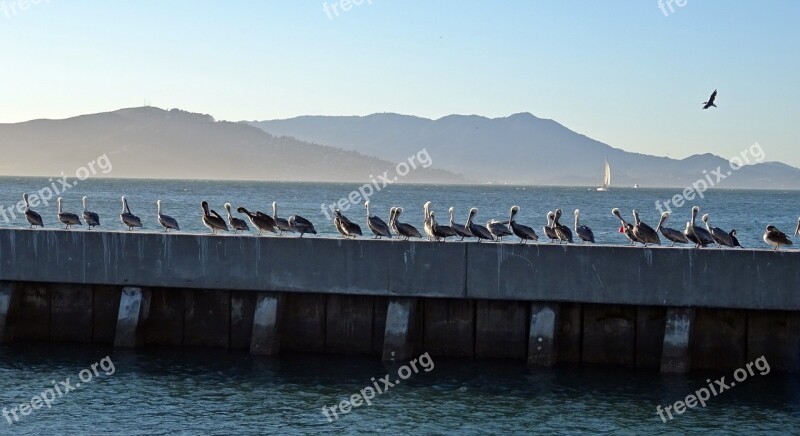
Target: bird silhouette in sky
x=710 y=102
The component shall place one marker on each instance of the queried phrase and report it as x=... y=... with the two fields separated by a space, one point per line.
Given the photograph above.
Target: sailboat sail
x=606 y=178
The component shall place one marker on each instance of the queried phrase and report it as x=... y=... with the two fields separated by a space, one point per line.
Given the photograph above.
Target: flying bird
x=710 y=102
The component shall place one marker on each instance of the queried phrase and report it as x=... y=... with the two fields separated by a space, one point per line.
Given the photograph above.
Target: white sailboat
x=606 y=178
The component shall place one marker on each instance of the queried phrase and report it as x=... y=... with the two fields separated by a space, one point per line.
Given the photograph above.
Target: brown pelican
x=698 y=235
x=461 y=230
x=67 y=218
x=643 y=232
x=735 y=241
x=166 y=221
x=671 y=234
x=260 y=220
x=427 y=224
x=34 y=219
x=127 y=217
x=301 y=225
x=212 y=219
x=625 y=228
x=237 y=223
x=92 y=219
x=498 y=229
x=563 y=232
x=710 y=102
x=549 y=230
x=583 y=232
x=281 y=223
x=440 y=233
x=376 y=224
x=477 y=230
x=344 y=226
x=524 y=233
x=775 y=237
x=720 y=236
x=402 y=229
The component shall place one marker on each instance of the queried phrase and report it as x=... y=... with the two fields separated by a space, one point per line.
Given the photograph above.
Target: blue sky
x=618 y=71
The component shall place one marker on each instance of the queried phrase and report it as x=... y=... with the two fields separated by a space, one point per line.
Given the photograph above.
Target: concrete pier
x=675 y=354
x=133 y=308
x=396 y=299
x=542 y=337
x=264 y=338
x=398 y=340
x=7 y=292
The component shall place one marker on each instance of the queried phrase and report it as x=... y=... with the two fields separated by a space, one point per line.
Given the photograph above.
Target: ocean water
x=185 y=391
x=747 y=211
x=167 y=391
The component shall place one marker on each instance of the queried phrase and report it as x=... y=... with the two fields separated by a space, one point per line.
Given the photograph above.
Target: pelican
x=212 y=219
x=735 y=241
x=67 y=218
x=260 y=220
x=34 y=219
x=127 y=217
x=92 y=219
x=698 y=235
x=797 y=229
x=625 y=228
x=376 y=224
x=301 y=225
x=402 y=229
x=710 y=102
x=643 y=232
x=524 y=233
x=347 y=228
x=477 y=230
x=498 y=229
x=427 y=223
x=720 y=236
x=281 y=223
x=237 y=223
x=671 y=234
x=549 y=230
x=583 y=232
x=563 y=232
x=166 y=221
x=440 y=232
x=461 y=230
x=775 y=237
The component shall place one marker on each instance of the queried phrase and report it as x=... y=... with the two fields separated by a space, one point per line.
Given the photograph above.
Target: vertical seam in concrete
x=580 y=332
x=325 y=323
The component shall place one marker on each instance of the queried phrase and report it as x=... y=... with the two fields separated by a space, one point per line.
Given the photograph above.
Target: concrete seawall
x=672 y=308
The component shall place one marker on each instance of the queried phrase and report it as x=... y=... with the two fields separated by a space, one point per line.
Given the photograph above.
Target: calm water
x=746 y=211
x=161 y=391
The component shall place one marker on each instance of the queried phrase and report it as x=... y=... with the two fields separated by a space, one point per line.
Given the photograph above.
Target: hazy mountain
x=155 y=143
x=520 y=148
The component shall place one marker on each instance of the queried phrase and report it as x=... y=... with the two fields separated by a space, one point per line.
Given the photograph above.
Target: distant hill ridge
x=520 y=148
x=148 y=142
